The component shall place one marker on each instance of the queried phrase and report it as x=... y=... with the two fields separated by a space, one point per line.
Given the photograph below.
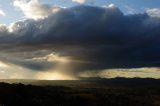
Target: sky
x=127 y=6
x=73 y=39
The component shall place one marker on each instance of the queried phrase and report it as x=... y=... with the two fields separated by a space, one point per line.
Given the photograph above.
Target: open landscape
x=108 y=92
x=79 y=52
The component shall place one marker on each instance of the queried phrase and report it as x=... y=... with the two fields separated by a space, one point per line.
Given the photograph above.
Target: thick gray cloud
x=92 y=37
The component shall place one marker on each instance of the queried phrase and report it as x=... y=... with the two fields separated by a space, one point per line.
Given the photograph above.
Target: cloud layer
x=79 y=1
x=127 y=73
x=154 y=12
x=2 y=13
x=34 y=9
x=90 y=38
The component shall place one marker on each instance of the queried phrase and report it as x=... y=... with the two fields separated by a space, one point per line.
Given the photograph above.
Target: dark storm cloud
x=94 y=37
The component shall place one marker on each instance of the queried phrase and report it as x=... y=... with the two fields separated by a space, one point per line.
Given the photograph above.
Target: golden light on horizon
x=59 y=70
x=54 y=76
x=150 y=72
x=3 y=65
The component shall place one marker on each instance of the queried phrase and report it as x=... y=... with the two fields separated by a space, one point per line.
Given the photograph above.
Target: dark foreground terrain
x=111 y=92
